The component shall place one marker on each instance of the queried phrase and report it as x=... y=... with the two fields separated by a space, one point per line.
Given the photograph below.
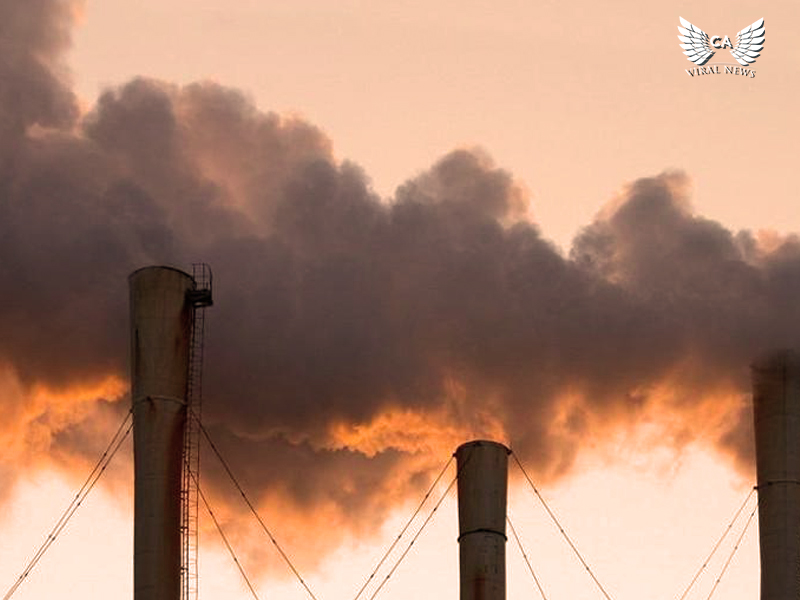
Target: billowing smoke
x=355 y=340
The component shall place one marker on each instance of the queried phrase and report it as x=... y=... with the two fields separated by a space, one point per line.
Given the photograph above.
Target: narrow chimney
x=482 y=491
x=160 y=336
x=776 y=407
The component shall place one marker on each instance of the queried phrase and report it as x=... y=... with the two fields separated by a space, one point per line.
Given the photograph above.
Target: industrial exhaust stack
x=161 y=328
x=482 y=493
x=776 y=408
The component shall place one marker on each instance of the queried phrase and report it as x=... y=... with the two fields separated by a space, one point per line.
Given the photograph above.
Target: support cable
x=561 y=529
x=733 y=552
x=275 y=543
x=717 y=545
x=88 y=485
x=525 y=556
x=405 y=528
x=414 y=539
x=224 y=537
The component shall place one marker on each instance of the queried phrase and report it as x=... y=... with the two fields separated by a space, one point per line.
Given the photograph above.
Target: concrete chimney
x=776 y=408
x=161 y=318
x=482 y=492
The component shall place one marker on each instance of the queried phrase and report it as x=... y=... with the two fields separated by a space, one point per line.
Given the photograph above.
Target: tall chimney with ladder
x=162 y=311
x=482 y=498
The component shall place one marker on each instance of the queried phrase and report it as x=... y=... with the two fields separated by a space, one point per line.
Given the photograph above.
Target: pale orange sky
x=574 y=99
x=644 y=523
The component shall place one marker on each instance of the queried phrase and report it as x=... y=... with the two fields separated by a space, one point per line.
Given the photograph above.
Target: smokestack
x=776 y=408
x=482 y=491
x=161 y=318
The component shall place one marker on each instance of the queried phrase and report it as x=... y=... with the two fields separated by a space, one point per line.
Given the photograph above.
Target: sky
x=428 y=222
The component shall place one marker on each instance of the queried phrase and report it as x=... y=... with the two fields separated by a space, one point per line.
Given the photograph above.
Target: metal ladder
x=199 y=297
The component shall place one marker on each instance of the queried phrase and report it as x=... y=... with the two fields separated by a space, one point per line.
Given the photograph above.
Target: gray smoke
x=354 y=339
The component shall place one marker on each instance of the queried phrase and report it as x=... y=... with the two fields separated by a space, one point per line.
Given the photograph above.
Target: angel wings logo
x=699 y=48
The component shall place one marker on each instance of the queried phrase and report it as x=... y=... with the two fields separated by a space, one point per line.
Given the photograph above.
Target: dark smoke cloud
x=355 y=340
x=33 y=88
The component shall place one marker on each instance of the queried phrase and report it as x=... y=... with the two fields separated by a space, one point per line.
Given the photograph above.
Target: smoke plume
x=355 y=340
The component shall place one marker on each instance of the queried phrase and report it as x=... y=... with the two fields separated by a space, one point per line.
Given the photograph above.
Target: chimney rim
x=158 y=267
x=481 y=442
x=777 y=358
